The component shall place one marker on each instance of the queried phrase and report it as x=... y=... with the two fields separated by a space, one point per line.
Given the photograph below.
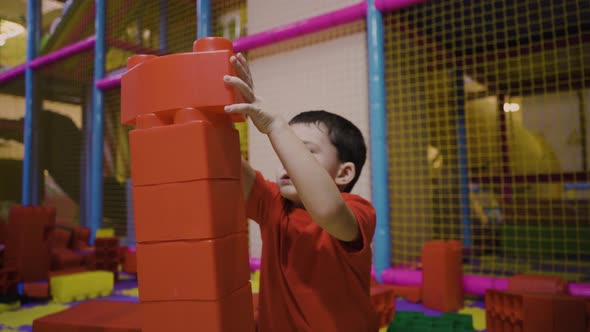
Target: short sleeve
x=263 y=198
x=366 y=218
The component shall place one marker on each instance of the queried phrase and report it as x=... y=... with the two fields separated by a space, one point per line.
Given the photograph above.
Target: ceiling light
x=511 y=107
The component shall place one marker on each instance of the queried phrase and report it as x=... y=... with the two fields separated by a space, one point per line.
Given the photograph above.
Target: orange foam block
x=194 y=150
x=232 y=313
x=160 y=84
x=538 y=284
x=188 y=210
x=192 y=270
x=442 y=286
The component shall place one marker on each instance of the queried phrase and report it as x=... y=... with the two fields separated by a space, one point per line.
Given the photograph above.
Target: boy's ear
x=345 y=174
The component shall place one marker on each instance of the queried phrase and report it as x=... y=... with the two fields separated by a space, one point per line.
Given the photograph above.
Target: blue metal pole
x=86 y=163
x=163 y=35
x=464 y=202
x=30 y=176
x=130 y=222
x=139 y=27
x=96 y=178
x=203 y=18
x=378 y=138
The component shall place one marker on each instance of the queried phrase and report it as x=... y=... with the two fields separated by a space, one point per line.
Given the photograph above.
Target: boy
x=316 y=256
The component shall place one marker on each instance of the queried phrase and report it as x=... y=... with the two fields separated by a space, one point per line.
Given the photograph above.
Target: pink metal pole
x=265 y=38
x=501 y=284
x=300 y=28
x=109 y=82
x=13 y=73
x=391 y=5
x=402 y=277
x=64 y=52
x=579 y=289
x=254 y=263
x=477 y=285
x=473 y=284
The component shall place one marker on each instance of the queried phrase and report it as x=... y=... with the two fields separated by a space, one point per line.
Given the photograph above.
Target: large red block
x=188 y=210
x=93 y=316
x=42 y=215
x=529 y=312
x=232 y=313
x=192 y=270
x=190 y=151
x=570 y=314
x=537 y=313
x=162 y=84
x=538 y=284
x=442 y=285
x=27 y=244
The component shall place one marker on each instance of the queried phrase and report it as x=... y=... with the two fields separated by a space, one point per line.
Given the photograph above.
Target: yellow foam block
x=9 y=306
x=26 y=316
x=255 y=282
x=105 y=232
x=479 y=317
x=131 y=292
x=82 y=285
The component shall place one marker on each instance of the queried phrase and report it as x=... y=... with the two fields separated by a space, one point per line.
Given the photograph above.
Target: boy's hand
x=252 y=107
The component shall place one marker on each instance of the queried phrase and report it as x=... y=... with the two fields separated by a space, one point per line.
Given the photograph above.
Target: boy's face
x=318 y=143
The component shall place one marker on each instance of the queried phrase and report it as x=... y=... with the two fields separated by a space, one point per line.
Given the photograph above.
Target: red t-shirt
x=310 y=281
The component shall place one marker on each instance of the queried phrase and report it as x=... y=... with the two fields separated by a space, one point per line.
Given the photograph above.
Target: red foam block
x=442 y=286
x=158 y=84
x=195 y=150
x=188 y=210
x=192 y=270
x=232 y=313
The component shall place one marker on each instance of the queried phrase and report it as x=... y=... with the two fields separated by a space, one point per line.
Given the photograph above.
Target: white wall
x=265 y=14
x=556 y=119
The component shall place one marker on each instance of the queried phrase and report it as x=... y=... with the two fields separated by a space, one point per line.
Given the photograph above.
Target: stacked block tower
x=190 y=224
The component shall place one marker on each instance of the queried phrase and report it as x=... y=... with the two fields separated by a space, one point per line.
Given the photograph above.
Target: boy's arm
x=316 y=189
x=248 y=177
x=260 y=196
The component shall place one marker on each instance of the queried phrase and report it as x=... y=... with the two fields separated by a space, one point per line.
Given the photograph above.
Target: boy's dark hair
x=345 y=136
